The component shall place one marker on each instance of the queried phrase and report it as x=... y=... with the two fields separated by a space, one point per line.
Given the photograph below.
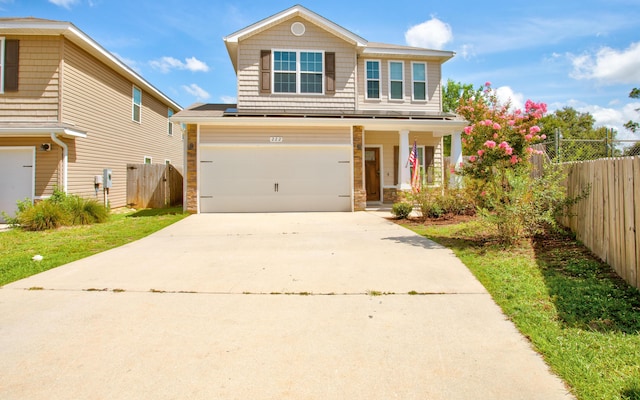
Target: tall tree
x=452 y=92
x=633 y=126
x=581 y=141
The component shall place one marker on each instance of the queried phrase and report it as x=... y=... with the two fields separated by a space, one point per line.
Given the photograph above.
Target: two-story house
x=69 y=109
x=324 y=121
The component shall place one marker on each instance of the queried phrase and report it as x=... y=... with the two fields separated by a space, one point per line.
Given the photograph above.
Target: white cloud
x=196 y=91
x=506 y=94
x=64 y=3
x=608 y=65
x=610 y=117
x=432 y=34
x=166 y=64
x=228 y=99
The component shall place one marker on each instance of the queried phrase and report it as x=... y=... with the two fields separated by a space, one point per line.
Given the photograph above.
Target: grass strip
x=576 y=312
x=64 y=245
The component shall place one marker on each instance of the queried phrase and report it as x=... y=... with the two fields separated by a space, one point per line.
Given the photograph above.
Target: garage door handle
x=275 y=187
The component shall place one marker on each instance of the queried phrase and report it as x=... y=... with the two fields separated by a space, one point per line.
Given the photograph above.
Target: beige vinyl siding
x=390 y=139
x=99 y=101
x=302 y=135
x=279 y=37
x=38 y=81
x=433 y=103
x=48 y=163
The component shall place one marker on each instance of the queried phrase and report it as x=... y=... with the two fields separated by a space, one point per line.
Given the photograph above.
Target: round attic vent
x=298 y=28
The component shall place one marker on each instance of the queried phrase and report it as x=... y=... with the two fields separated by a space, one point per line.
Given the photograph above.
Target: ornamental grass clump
x=498 y=174
x=58 y=210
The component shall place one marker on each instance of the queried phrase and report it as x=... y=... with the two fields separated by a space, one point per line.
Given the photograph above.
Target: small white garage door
x=16 y=177
x=275 y=179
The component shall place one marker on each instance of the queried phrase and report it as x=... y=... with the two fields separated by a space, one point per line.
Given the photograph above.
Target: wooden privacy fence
x=153 y=186
x=607 y=220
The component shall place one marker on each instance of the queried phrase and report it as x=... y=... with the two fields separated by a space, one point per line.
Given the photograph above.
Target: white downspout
x=65 y=160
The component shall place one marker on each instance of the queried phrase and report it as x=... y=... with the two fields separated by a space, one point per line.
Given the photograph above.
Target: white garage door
x=16 y=177
x=275 y=179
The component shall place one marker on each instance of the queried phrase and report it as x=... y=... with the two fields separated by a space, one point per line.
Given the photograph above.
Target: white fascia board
x=384 y=51
x=438 y=127
x=296 y=10
x=36 y=132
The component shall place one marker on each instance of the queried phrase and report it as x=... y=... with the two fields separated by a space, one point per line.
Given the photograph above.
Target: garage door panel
x=275 y=179
x=17 y=177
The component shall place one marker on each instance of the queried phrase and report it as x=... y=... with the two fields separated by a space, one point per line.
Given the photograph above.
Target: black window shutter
x=265 y=71
x=12 y=51
x=330 y=73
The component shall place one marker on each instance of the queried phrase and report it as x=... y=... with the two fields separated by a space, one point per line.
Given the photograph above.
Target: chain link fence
x=559 y=149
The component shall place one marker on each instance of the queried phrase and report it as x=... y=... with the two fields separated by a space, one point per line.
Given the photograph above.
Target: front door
x=372 y=173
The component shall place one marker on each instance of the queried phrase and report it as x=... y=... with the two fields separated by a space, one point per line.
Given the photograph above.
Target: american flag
x=415 y=168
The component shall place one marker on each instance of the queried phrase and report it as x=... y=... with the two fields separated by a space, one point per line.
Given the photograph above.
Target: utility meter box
x=97 y=180
x=106 y=178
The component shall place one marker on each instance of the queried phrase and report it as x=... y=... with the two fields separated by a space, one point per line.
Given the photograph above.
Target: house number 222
x=275 y=139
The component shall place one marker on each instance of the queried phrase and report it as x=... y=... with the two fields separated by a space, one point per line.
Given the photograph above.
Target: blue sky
x=584 y=54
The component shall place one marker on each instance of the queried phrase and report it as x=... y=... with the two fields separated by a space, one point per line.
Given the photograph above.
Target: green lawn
x=582 y=318
x=61 y=246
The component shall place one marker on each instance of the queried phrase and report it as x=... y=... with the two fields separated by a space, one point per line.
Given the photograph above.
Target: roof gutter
x=439 y=127
x=65 y=160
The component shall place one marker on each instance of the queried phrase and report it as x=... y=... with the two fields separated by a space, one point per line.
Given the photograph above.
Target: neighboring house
x=324 y=121
x=70 y=109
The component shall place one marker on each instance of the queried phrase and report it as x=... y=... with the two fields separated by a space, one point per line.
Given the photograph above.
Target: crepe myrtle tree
x=500 y=142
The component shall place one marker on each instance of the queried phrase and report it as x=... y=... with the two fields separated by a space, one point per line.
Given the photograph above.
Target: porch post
x=455 y=181
x=404 y=178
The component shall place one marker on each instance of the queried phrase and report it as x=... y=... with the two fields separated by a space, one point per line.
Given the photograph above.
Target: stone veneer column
x=359 y=190
x=191 y=174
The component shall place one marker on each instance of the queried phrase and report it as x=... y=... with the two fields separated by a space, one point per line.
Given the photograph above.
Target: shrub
x=58 y=210
x=401 y=210
x=85 y=211
x=434 y=204
x=428 y=201
x=42 y=216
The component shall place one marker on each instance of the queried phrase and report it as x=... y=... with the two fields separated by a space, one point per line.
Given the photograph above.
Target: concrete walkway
x=265 y=306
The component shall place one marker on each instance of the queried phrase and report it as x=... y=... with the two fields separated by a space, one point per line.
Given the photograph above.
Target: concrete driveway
x=265 y=306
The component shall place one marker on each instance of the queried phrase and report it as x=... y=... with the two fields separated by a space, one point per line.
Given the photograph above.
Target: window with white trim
x=148 y=160
x=298 y=72
x=396 y=80
x=170 y=124
x=372 y=68
x=419 y=77
x=136 y=104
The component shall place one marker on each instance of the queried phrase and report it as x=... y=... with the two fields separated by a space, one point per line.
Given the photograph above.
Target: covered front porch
x=384 y=151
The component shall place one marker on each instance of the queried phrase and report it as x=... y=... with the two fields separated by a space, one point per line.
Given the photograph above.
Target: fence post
x=558 y=145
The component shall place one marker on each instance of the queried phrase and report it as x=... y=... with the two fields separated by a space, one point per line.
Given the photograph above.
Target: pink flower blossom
x=514 y=159
x=488 y=122
x=543 y=137
x=495 y=135
x=483 y=193
x=464 y=140
x=511 y=122
x=534 y=129
x=503 y=145
x=529 y=150
x=468 y=129
x=508 y=150
x=472 y=158
x=487 y=83
x=496 y=126
x=528 y=136
x=480 y=152
x=490 y=144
